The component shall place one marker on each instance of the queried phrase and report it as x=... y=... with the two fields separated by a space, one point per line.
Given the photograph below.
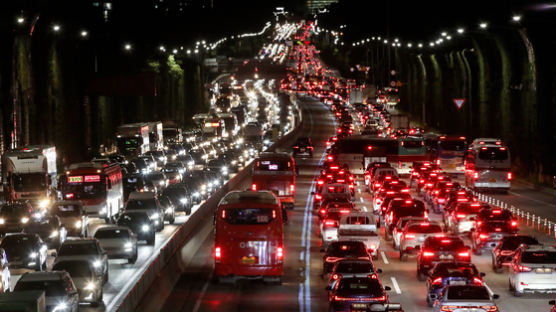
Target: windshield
x=273 y=165
x=424 y=228
x=493 y=153
x=29 y=182
x=468 y=293
x=85 y=190
x=51 y=288
x=111 y=233
x=138 y=204
x=14 y=211
x=249 y=216
x=67 y=210
x=452 y=269
x=76 y=269
x=458 y=145
x=78 y=249
x=539 y=257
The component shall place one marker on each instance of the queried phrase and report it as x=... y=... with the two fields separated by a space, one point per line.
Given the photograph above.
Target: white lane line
x=532 y=199
x=384 y=257
x=362 y=200
x=364 y=208
x=359 y=191
x=396 y=286
x=357 y=183
x=202 y=294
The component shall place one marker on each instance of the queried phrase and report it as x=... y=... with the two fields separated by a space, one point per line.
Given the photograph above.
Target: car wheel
x=387 y=234
x=403 y=256
x=133 y=259
x=172 y=220
x=495 y=267
x=105 y=277
x=420 y=275
x=395 y=245
x=429 y=301
x=150 y=241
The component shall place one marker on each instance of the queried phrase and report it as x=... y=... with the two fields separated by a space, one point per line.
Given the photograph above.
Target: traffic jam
x=69 y=232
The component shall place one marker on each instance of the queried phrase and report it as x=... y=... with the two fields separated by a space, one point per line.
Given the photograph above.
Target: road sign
x=392 y=72
x=459 y=102
x=392 y=83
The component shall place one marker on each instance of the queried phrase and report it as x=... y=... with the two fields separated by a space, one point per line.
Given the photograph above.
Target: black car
x=140 y=223
x=343 y=250
x=50 y=228
x=25 y=251
x=487 y=235
x=451 y=273
x=352 y=290
x=180 y=196
x=505 y=250
x=438 y=249
x=15 y=217
x=168 y=207
x=303 y=145
x=218 y=167
x=134 y=182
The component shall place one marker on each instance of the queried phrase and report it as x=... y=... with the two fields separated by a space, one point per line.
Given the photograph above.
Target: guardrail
x=535 y=222
x=167 y=265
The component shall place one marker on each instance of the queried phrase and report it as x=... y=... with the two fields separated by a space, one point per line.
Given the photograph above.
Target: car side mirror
x=482 y=274
x=495 y=296
x=328 y=287
x=312 y=193
x=433 y=296
x=387 y=288
x=379 y=271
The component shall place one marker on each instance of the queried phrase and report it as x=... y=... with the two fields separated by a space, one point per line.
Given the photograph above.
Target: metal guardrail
x=526 y=218
x=187 y=230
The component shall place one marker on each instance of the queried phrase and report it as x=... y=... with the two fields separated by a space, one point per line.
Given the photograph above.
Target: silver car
x=466 y=298
x=532 y=270
x=118 y=242
x=414 y=235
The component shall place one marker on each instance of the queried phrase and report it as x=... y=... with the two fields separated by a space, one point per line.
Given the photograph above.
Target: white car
x=88 y=283
x=414 y=234
x=398 y=230
x=471 y=297
x=360 y=226
x=85 y=249
x=533 y=270
x=118 y=242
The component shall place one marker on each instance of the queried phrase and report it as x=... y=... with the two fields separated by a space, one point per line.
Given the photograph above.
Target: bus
x=98 y=186
x=450 y=153
x=275 y=172
x=410 y=149
x=213 y=126
x=249 y=237
x=358 y=151
x=133 y=139
x=488 y=167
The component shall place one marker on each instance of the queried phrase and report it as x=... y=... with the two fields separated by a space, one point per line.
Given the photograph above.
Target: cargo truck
x=133 y=139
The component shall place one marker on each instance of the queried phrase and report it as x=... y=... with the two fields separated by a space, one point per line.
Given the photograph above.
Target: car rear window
x=538 y=257
x=111 y=233
x=66 y=210
x=347 y=249
x=249 y=216
x=358 y=220
x=367 y=286
x=495 y=227
x=493 y=153
x=468 y=293
x=453 y=269
x=455 y=145
x=444 y=243
x=76 y=269
x=139 y=204
x=78 y=249
x=513 y=242
x=424 y=228
x=51 y=288
x=354 y=267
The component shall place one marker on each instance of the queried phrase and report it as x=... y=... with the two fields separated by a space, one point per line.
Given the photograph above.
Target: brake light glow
x=330 y=223
x=483 y=236
x=463 y=254
x=510 y=176
x=477 y=281
x=69 y=195
x=521 y=268
x=217 y=253
x=428 y=254
x=475 y=175
x=437 y=281
x=345 y=211
x=336 y=276
x=280 y=253
x=514 y=223
x=446 y=241
x=460 y=215
x=338 y=298
x=320 y=182
x=254 y=187
x=292 y=188
x=223 y=214
x=318 y=196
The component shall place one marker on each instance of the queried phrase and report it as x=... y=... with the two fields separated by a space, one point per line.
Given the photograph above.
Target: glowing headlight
x=224 y=169
x=78 y=224
x=196 y=194
x=155 y=216
x=161 y=158
x=44 y=203
x=191 y=163
x=210 y=184
x=183 y=200
x=62 y=306
x=128 y=245
x=234 y=162
x=215 y=182
x=204 y=187
x=54 y=234
x=145 y=228
x=24 y=220
x=33 y=255
x=2 y=221
x=266 y=142
x=205 y=156
x=97 y=263
x=161 y=183
x=168 y=210
x=90 y=286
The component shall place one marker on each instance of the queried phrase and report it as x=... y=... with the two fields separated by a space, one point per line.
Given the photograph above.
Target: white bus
x=488 y=167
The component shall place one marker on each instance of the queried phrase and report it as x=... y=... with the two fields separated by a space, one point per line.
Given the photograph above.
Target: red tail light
x=69 y=195
x=510 y=176
x=345 y=211
x=223 y=214
x=475 y=175
x=514 y=223
x=521 y=268
x=463 y=254
x=336 y=276
x=390 y=193
x=292 y=188
x=338 y=298
x=483 y=236
x=254 y=187
x=437 y=281
x=477 y=281
x=428 y=254
x=279 y=253
x=438 y=162
x=318 y=196
x=330 y=158
x=460 y=215
x=320 y=182
x=329 y=223
x=322 y=211
x=405 y=191
x=441 y=200
x=217 y=253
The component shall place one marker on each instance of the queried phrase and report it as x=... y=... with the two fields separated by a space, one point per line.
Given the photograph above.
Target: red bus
x=98 y=186
x=249 y=237
x=275 y=172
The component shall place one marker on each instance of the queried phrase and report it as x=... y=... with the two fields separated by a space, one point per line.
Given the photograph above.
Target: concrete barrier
x=158 y=280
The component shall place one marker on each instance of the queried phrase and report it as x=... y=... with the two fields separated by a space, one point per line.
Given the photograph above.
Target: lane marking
x=359 y=191
x=202 y=294
x=396 y=286
x=362 y=200
x=364 y=208
x=532 y=199
x=384 y=257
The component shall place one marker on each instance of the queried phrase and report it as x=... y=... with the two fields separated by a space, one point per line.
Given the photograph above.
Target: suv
x=87 y=249
x=147 y=202
x=59 y=290
x=505 y=250
x=303 y=146
x=532 y=269
x=438 y=249
x=88 y=283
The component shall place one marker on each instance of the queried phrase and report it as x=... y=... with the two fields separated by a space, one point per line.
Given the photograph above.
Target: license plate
x=457 y=283
x=452 y=166
x=446 y=257
x=543 y=270
x=248 y=260
x=302 y=150
x=492 y=180
x=359 y=305
x=422 y=239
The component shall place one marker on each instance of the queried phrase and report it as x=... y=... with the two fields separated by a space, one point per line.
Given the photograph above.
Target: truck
x=30 y=173
x=362 y=227
x=171 y=132
x=399 y=121
x=133 y=139
x=156 y=136
x=355 y=96
x=23 y=301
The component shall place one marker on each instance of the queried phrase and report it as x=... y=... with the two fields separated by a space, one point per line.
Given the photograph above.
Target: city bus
x=358 y=151
x=249 y=237
x=98 y=186
x=410 y=149
x=275 y=172
x=450 y=153
x=488 y=167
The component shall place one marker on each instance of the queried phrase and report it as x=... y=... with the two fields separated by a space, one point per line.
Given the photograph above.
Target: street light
x=483 y=25
x=516 y=18
x=20 y=20
x=461 y=30
x=127 y=47
x=56 y=28
x=84 y=34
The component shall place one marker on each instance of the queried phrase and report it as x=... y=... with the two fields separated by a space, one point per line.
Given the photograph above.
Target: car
x=140 y=223
x=134 y=182
x=26 y=251
x=352 y=268
x=49 y=228
x=157 y=179
x=118 y=242
x=414 y=235
x=85 y=249
x=14 y=217
x=360 y=226
x=59 y=290
x=472 y=297
x=180 y=196
x=398 y=208
x=303 y=145
x=6 y=275
x=73 y=217
x=505 y=250
x=343 y=250
x=497 y=214
x=462 y=219
x=487 y=234
x=85 y=279
x=149 y=203
x=440 y=248
x=351 y=290
x=451 y=273
x=168 y=207
x=532 y=270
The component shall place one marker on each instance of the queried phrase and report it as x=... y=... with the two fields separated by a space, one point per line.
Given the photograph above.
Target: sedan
x=472 y=297
x=118 y=242
x=25 y=251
